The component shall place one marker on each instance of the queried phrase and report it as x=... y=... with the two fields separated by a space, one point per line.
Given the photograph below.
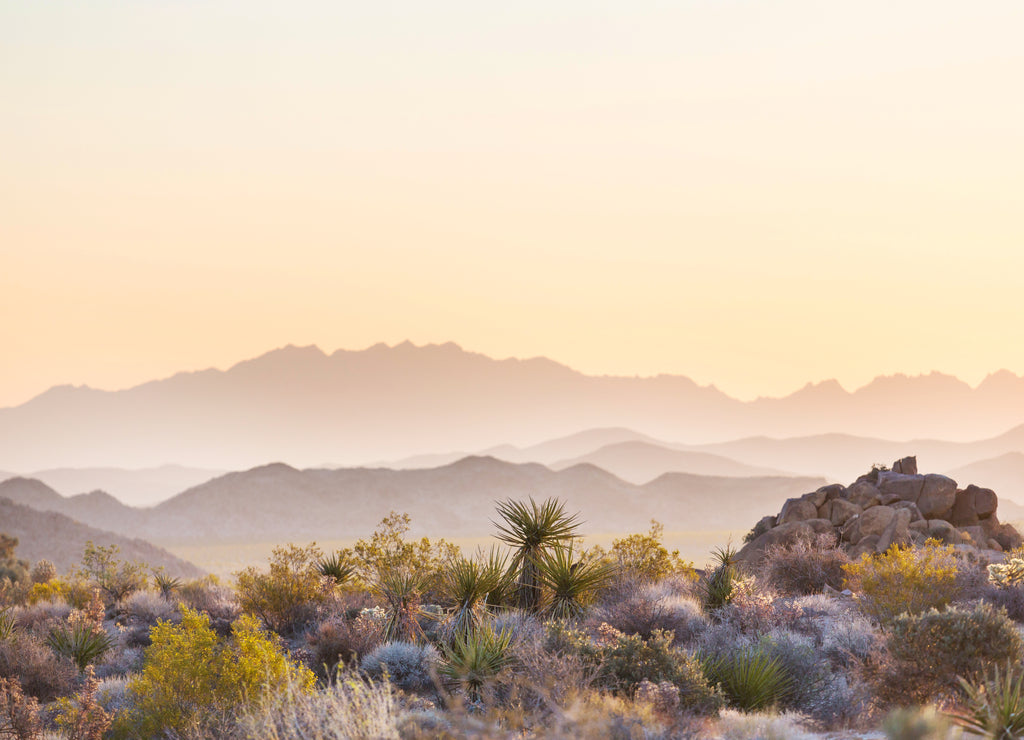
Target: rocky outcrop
x=887 y=507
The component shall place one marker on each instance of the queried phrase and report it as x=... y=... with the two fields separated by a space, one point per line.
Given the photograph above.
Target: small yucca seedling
x=166 y=584
x=338 y=567
x=569 y=586
x=474 y=659
x=6 y=624
x=716 y=589
x=82 y=642
x=995 y=708
x=750 y=678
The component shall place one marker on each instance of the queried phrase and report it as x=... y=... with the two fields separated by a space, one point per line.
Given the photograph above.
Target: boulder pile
x=886 y=507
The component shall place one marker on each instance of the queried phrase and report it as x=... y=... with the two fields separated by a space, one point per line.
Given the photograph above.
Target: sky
x=752 y=194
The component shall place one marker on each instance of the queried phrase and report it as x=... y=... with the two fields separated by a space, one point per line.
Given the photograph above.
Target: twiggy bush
x=409 y=667
x=286 y=596
x=643 y=557
x=40 y=672
x=637 y=609
x=343 y=640
x=82 y=718
x=19 y=714
x=116 y=578
x=191 y=677
x=805 y=567
x=905 y=579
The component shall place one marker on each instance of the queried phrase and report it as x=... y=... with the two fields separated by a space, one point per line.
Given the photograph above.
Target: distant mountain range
x=280 y=503
x=62 y=540
x=310 y=408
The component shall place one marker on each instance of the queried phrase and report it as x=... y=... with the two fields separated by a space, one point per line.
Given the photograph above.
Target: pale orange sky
x=754 y=195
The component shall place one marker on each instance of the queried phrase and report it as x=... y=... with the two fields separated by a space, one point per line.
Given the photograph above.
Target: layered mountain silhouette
x=306 y=407
x=280 y=503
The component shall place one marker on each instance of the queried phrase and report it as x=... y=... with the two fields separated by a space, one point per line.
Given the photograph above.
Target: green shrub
x=191 y=678
x=905 y=579
x=116 y=578
x=643 y=557
x=934 y=648
x=287 y=595
x=387 y=550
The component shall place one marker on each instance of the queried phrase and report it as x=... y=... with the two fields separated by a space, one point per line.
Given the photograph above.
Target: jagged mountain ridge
x=307 y=407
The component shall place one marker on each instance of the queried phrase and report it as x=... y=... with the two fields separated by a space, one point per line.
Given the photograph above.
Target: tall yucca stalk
x=569 y=585
x=530 y=529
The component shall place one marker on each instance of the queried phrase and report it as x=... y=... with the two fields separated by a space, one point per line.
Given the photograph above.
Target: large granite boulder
x=781 y=536
x=937 y=496
x=972 y=505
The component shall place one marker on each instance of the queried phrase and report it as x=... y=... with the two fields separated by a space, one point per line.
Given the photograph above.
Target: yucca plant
x=750 y=678
x=475 y=658
x=80 y=641
x=166 y=584
x=467 y=583
x=995 y=708
x=567 y=585
x=717 y=586
x=402 y=590
x=6 y=623
x=530 y=529
x=338 y=567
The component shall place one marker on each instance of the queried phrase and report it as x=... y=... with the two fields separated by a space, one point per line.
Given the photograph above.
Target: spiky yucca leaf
x=467 y=583
x=568 y=586
x=717 y=586
x=530 y=529
x=81 y=642
x=166 y=584
x=7 y=623
x=336 y=566
x=995 y=708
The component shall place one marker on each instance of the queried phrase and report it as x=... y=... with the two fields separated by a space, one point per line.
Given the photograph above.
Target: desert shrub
x=995 y=705
x=919 y=723
x=82 y=643
x=734 y=725
x=11 y=568
x=8 y=621
x=40 y=616
x=209 y=596
x=408 y=666
x=805 y=567
x=847 y=639
x=73 y=591
x=113 y=695
x=343 y=640
x=82 y=718
x=191 y=677
x=474 y=659
x=402 y=591
x=148 y=607
x=932 y=649
x=643 y=557
x=1010 y=598
x=627 y=660
x=387 y=550
x=40 y=672
x=641 y=610
x=43 y=571
x=114 y=577
x=905 y=579
x=121 y=661
x=1008 y=573
x=286 y=597
x=19 y=714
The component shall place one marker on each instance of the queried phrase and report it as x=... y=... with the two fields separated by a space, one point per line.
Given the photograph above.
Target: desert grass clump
x=751 y=677
x=530 y=530
x=805 y=567
x=405 y=665
x=286 y=597
x=737 y=725
x=905 y=579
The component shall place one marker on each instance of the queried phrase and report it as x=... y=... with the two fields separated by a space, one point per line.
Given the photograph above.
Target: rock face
x=887 y=507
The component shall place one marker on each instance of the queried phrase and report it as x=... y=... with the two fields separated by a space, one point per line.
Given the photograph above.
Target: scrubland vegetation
x=533 y=638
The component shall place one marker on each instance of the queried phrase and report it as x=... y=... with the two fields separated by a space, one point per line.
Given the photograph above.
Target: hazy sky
x=754 y=194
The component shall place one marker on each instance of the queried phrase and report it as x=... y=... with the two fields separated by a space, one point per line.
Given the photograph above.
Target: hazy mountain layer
x=303 y=406
x=279 y=503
